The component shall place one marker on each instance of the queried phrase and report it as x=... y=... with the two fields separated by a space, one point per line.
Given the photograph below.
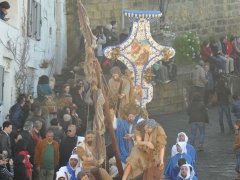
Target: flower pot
x=52 y=109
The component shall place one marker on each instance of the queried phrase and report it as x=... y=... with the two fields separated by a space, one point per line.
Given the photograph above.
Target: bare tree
x=20 y=48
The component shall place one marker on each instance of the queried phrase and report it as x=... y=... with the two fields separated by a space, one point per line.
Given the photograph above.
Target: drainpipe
x=161 y=8
x=123 y=18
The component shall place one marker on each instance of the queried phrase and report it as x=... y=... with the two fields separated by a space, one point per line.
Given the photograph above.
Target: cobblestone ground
x=217 y=161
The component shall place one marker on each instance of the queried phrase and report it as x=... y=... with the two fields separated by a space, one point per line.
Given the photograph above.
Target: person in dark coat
x=27 y=106
x=5 y=144
x=209 y=86
x=27 y=136
x=78 y=99
x=17 y=115
x=38 y=117
x=58 y=132
x=67 y=145
x=111 y=37
x=223 y=104
x=198 y=118
x=114 y=34
x=19 y=168
x=123 y=36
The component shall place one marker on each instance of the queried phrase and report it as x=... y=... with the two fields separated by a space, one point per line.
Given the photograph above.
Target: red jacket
x=36 y=138
x=230 y=49
x=206 y=52
x=27 y=163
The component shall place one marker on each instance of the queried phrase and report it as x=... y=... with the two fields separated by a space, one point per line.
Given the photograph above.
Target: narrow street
x=217 y=161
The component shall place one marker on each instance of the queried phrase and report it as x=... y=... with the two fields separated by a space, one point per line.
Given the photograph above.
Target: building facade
x=32 y=43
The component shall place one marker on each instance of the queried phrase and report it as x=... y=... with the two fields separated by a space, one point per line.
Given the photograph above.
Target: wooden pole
x=109 y=121
x=88 y=37
x=112 y=135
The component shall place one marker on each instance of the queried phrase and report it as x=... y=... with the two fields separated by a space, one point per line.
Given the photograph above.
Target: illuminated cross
x=139 y=52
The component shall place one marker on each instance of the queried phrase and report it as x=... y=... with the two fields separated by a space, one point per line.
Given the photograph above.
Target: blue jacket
x=16 y=117
x=210 y=84
x=2 y=15
x=236 y=108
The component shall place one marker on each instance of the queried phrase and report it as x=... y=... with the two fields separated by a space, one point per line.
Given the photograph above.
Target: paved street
x=217 y=161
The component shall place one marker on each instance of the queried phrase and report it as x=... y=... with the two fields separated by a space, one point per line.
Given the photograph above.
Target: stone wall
x=176 y=96
x=207 y=17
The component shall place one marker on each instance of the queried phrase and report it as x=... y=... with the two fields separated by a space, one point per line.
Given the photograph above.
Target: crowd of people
x=68 y=148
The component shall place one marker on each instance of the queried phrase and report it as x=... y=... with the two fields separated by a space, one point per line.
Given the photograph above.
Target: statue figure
x=119 y=92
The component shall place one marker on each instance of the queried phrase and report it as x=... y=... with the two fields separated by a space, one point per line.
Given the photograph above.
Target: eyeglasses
x=69 y=130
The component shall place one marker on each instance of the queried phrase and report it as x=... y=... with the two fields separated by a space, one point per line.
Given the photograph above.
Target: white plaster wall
x=51 y=47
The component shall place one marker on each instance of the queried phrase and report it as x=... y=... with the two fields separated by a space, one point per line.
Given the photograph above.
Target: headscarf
x=188 y=173
x=151 y=123
x=72 y=171
x=192 y=174
x=79 y=161
x=116 y=70
x=183 y=146
x=174 y=148
x=186 y=138
x=61 y=174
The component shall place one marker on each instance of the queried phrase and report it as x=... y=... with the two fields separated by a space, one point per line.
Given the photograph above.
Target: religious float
x=138 y=52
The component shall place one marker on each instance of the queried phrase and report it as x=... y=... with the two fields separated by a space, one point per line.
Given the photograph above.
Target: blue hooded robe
x=122 y=130
x=174 y=160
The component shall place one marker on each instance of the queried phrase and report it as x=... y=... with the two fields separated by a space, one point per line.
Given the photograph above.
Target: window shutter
x=30 y=18
x=38 y=22
x=1 y=84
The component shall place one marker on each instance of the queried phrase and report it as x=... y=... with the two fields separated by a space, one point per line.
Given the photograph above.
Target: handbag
x=215 y=98
x=88 y=98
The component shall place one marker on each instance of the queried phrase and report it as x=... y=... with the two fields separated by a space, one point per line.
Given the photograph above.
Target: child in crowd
x=4 y=173
x=236 y=148
x=20 y=168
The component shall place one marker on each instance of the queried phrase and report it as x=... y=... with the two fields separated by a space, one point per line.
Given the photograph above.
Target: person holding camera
x=4 y=173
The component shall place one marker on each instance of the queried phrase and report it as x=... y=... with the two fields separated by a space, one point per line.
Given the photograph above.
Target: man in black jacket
x=16 y=115
x=5 y=144
x=27 y=136
x=67 y=145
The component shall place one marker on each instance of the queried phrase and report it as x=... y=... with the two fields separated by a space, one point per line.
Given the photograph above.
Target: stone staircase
x=62 y=79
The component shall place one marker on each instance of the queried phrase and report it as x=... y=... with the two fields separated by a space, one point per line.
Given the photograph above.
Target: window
x=1 y=84
x=34 y=19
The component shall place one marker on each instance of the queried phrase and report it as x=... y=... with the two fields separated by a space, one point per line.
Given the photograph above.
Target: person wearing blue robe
x=181 y=148
x=182 y=137
x=177 y=168
x=124 y=130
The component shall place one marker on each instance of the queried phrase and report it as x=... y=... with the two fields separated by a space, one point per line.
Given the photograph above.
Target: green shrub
x=187 y=47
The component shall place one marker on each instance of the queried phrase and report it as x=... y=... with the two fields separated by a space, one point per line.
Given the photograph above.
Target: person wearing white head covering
x=182 y=137
x=72 y=168
x=61 y=176
x=181 y=153
x=192 y=173
x=184 y=173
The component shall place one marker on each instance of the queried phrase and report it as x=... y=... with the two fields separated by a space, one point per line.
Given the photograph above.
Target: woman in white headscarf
x=182 y=137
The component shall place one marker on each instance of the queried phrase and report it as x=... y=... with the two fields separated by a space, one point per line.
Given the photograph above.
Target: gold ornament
x=115 y=53
x=167 y=54
x=148 y=75
x=144 y=113
x=129 y=75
